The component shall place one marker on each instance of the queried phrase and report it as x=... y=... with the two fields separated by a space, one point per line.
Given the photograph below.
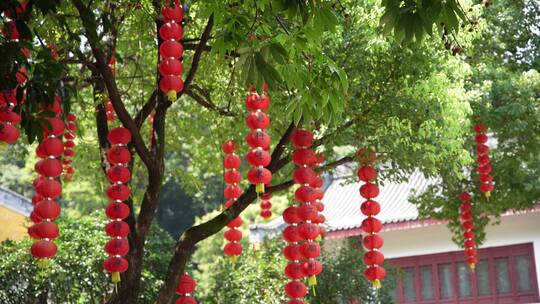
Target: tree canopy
x=407 y=79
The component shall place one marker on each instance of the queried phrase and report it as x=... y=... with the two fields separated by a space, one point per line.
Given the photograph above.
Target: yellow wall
x=12 y=225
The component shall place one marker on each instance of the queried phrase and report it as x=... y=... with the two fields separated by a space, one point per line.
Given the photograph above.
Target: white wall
x=513 y=229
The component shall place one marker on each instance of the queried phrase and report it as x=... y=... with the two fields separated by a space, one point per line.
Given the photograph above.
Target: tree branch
x=200 y=232
x=198 y=53
x=112 y=88
x=203 y=98
x=145 y=111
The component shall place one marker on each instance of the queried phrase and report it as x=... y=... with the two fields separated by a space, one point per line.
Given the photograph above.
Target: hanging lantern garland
x=69 y=146
x=483 y=159
x=258 y=140
x=9 y=119
x=119 y=175
x=373 y=258
x=306 y=195
x=171 y=50
x=186 y=287
x=47 y=186
x=299 y=217
x=232 y=192
x=317 y=185
x=467 y=224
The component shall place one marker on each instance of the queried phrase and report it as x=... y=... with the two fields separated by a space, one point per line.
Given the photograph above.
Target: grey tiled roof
x=342 y=202
x=342 y=205
x=15 y=202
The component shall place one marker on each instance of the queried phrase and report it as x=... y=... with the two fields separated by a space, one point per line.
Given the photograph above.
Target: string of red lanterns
x=232 y=192
x=306 y=195
x=118 y=156
x=47 y=185
x=317 y=184
x=373 y=242
x=258 y=140
x=9 y=133
x=171 y=50
x=185 y=289
x=69 y=146
x=299 y=217
x=483 y=160
x=467 y=224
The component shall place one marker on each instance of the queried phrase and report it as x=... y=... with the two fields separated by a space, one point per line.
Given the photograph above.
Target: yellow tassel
x=256 y=247
x=312 y=281
x=259 y=188
x=171 y=95
x=472 y=266
x=318 y=239
x=488 y=195
x=376 y=284
x=42 y=263
x=233 y=259
x=115 y=276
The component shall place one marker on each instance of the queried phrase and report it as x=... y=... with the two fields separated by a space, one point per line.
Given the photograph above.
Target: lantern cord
x=376 y=284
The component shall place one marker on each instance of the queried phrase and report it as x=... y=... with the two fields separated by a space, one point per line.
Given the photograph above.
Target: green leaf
x=279 y=53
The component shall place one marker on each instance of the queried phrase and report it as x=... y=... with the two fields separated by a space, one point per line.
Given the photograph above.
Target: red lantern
x=47 y=209
x=69 y=151
x=117 y=229
x=44 y=249
x=296 y=289
x=373 y=258
x=369 y=190
x=119 y=175
x=46 y=230
x=8 y=133
x=302 y=138
x=483 y=160
x=171 y=51
x=367 y=173
x=258 y=140
x=370 y=208
x=468 y=226
x=372 y=241
x=293 y=252
x=186 y=284
x=117 y=247
x=290 y=215
x=294 y=271
x=119 y=136
x=232 y=192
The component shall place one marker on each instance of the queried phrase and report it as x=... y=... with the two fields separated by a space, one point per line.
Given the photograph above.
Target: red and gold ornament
x=258 y=140
x=483 y=160
x=373 y=258
x=232 y=192
x=466 y=218
x=171 y=50
x=119 y=175
x=9 y=119
x=185 y=289
x=69 y=146
x=48 y=187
